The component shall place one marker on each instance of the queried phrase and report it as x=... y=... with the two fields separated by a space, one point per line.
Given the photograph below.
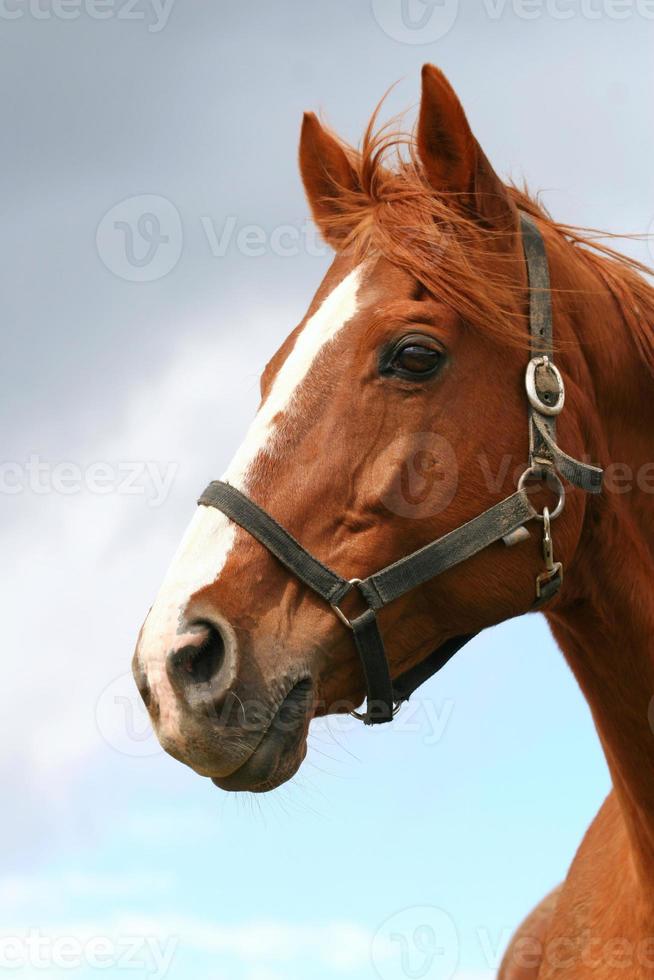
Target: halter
x=504 y=521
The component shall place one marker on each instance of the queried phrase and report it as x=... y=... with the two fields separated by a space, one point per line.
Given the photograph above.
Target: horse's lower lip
x=278 y=755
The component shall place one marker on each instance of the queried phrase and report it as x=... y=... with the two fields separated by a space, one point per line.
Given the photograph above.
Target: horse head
x=393 y=414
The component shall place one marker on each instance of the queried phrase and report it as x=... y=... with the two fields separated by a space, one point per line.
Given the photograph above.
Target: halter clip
x=548 y=582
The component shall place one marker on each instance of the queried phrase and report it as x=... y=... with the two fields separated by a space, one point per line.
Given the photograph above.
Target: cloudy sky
x=155 y=252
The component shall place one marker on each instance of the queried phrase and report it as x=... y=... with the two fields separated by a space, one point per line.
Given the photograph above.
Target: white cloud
x=341 y=946
x=259 y=948
x=83 y=568
x=26 y=891
x=270 y=949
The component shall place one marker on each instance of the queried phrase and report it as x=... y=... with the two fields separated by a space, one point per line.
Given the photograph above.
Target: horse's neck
x=607 y=636
x=606 y=621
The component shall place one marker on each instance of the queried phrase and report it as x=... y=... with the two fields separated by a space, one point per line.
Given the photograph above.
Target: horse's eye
x=414 y=357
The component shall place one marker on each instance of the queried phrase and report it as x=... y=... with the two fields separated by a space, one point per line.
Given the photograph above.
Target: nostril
x=198 y=660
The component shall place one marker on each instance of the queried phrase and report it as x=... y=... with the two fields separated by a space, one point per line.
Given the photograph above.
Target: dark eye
x=413 y=357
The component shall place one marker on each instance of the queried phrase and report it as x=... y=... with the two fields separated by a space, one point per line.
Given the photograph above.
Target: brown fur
x=439 y=235
x=524 y=957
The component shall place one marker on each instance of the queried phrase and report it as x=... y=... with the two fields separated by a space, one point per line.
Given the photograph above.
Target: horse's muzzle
x=281 y=749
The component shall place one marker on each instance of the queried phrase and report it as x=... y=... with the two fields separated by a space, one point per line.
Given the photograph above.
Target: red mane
x=395 y=212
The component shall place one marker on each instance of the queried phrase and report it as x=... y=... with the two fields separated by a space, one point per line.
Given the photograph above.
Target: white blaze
x=205 y=547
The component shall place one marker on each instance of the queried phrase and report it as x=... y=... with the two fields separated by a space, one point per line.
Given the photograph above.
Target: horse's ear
x=451 y=156
x=328 y=177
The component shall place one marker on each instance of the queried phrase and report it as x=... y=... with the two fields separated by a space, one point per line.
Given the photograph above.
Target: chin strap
x=504 y=521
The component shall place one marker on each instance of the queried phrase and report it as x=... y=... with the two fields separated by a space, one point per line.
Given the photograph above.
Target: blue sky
x=431 y=838
x=472 y=805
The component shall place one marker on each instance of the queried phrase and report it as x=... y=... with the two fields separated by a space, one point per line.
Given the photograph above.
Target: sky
x=155 y=252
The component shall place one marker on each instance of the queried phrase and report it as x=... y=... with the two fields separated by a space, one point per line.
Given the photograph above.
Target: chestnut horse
x=421 y=327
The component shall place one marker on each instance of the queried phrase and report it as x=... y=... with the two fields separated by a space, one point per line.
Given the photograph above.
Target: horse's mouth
x=280 y=751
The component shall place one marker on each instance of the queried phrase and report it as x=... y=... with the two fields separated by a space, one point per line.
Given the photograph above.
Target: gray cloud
x=206 y=113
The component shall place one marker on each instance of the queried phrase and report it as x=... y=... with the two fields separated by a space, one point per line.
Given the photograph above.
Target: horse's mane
x=394 y=212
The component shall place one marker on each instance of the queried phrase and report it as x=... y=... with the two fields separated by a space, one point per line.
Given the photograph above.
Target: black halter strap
x=503 y=521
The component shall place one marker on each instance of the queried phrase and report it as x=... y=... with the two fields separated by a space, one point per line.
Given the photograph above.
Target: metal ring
x=537 y=472
x=339 y=612
x=532 y=393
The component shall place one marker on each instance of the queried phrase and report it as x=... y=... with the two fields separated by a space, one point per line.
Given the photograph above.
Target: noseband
x=504 y=521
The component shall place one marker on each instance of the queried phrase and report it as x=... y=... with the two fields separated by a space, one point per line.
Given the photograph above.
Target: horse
x=420 y=331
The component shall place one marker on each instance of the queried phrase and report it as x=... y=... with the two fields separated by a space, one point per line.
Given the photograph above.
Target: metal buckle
x=530 y=384
x=362 y=716
x=359 y=715
x=339 y=612
x=553 y=569
x=543 y=472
